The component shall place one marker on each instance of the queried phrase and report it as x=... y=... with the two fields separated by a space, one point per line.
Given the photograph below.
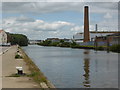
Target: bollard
x=19 y=70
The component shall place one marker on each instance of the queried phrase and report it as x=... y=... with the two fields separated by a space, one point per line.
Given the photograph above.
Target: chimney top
x=86 y=6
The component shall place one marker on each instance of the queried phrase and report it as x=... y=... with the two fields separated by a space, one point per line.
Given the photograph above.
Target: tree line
x=19 y=39
x=62 y=43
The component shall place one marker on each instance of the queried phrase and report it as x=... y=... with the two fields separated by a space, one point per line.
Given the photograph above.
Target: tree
x=61 y=41
x=19 y=39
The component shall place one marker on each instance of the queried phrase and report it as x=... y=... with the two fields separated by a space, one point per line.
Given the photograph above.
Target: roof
x=115 y=34
x=1 y=31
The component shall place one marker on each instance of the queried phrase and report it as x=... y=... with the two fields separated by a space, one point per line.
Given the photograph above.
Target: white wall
x=3 y=38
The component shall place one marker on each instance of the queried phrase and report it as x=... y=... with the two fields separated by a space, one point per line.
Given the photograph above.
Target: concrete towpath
x=9 y=64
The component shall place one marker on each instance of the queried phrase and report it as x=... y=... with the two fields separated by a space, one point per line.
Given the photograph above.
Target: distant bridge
x=103 y=32
x=31 y=42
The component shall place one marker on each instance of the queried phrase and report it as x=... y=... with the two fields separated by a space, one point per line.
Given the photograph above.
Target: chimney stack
x=86 y=24
x=96 y=28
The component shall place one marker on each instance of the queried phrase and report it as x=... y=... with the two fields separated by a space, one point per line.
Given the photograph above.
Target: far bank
x=113 y=48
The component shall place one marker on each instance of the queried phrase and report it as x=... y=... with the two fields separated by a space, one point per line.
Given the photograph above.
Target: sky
x=41 y=20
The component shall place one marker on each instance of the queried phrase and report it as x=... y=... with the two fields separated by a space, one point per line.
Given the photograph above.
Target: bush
x=14 y=75
x=64 y=44
x=19 y=39
x=115 y=48
x=54 y=44
x=18 y=56
x=100 y=48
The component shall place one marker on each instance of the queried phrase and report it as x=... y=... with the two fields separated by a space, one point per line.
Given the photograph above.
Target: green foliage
x=17 y=56
x=74 y=44
x=14 y=75
x=45 y=43
x=19 y=39
x=54 y=44
x=36 y=74
x=115 y=48
x=33 y=74
x=61 y=41
x=100 y=48
x=64 y=44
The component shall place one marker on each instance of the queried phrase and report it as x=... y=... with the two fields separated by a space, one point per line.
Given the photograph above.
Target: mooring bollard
x=17 y=50
x=19 y=70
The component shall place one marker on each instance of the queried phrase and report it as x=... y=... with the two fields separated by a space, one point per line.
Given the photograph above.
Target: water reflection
x=107 y=66
x=86 y=74
x=76 y=68
x=96 y=65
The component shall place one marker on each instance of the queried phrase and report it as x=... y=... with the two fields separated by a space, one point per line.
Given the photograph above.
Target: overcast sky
x=41 y=20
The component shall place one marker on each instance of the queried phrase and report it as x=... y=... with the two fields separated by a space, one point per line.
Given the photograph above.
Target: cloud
x=41 y=29
x=109 y=24
x=108 y=15
x=81 y=28
x=77 y=28
x=24 y=19
x=60 y=1
x=49 y=7
x=55 y=25
x=33 y=27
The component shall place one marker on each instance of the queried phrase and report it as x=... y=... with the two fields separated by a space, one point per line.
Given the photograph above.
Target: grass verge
x=36 y=74
x=17 y=56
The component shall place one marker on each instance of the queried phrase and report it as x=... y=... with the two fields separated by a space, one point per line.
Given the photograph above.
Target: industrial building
x=89 y=37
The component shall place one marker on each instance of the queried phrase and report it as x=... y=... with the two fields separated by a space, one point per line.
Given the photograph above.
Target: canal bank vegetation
x=17 y=56
x=18 y=39
x=36 y=74
x=113 y=48
x=64 y=44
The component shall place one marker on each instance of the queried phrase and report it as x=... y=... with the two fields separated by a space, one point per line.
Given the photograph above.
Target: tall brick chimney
x=86 y=24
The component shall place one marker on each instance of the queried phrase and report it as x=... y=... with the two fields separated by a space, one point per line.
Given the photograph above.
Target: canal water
x=76 y=68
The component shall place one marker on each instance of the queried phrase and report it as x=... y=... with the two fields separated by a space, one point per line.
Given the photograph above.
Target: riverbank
x=113 y=48
x=36 y=74
x=9 y=64
x=10 y=79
